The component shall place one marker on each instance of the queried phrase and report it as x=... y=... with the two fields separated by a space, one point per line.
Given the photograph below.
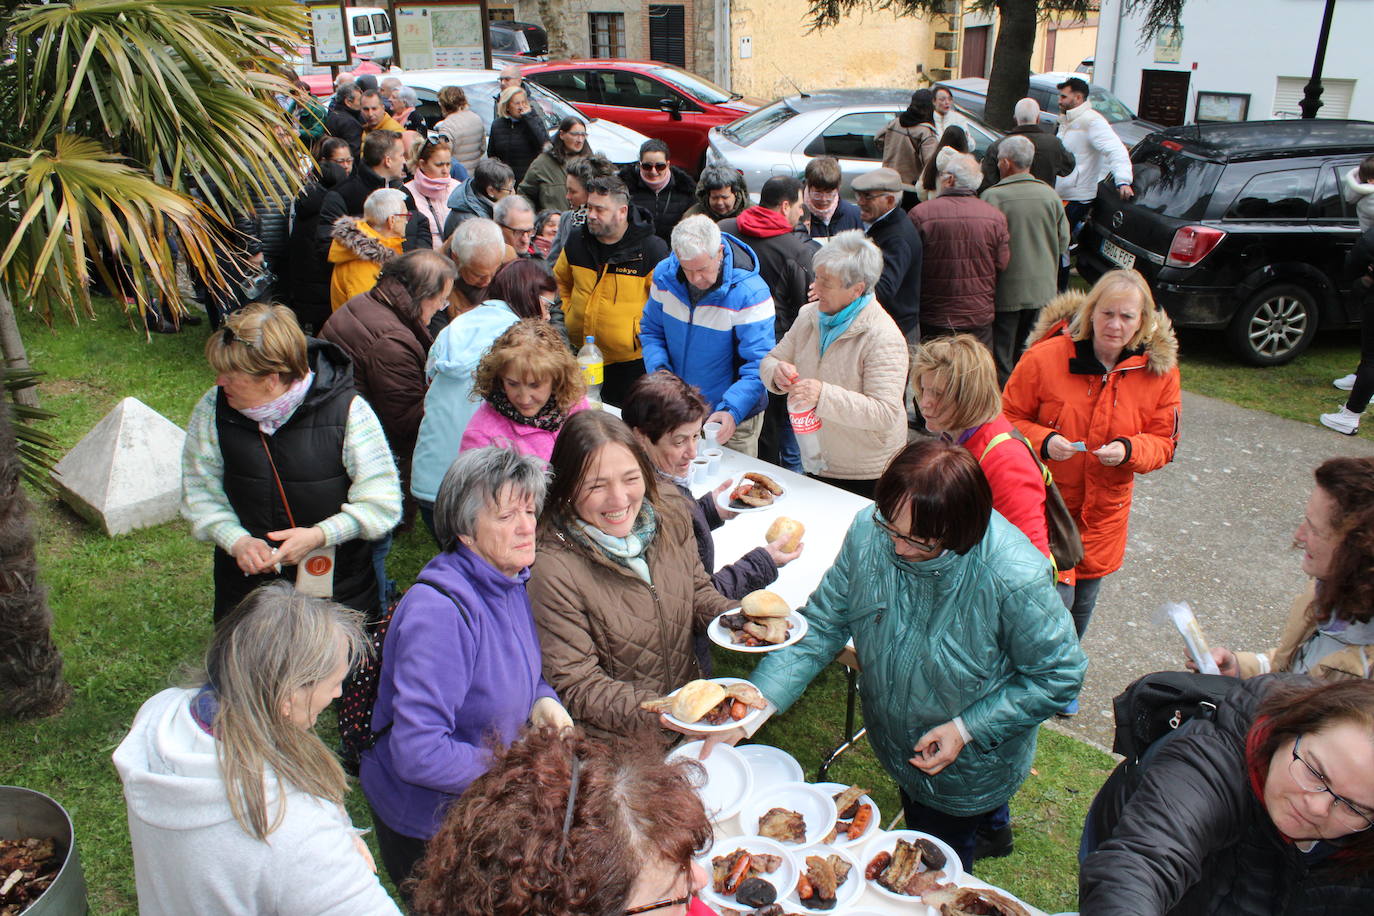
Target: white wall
x=1244 y=46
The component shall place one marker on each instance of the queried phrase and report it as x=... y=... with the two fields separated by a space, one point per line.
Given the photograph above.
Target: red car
x=656 y=99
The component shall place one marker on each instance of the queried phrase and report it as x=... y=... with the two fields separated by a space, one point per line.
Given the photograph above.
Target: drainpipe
x=725 y=52
x=1116 y=43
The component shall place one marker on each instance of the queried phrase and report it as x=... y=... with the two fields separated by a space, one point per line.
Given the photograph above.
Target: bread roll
x=696 y=699
x=786 y=527
x=763 y=604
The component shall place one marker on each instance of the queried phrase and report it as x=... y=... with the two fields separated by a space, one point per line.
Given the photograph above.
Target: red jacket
x=1058 y=387
x=1018 y=488
x=965 y=244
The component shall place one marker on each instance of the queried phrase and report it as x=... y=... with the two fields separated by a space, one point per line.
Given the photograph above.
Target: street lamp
x=1312 y=92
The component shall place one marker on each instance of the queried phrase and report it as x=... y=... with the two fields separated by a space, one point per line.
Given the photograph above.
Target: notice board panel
x=441 y=33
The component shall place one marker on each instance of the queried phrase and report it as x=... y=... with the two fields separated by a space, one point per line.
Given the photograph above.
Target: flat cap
x=881 y=180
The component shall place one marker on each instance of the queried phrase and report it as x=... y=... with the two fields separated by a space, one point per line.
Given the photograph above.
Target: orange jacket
x=1137 y=402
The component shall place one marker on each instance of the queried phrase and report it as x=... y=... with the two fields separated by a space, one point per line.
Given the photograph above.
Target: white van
x=369 y=33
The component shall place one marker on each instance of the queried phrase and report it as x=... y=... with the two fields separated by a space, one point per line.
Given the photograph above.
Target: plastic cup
x=699 y=470
x=713 y=456
x=712 y=433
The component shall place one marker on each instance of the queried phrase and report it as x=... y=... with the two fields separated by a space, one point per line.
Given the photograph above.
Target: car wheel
x=1274 y=325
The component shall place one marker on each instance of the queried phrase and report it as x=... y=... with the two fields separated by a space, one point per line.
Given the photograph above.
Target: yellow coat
x=357 y=254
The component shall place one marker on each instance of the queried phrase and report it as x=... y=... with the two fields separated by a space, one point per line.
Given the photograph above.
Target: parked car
x=778 y=139
x=972 y=94
x=536 y=39
x=511 y=45
x=614 y=141
x=656 y=99
x=1241 y=227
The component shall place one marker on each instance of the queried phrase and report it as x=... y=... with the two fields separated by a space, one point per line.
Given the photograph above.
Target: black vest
x=308 y=453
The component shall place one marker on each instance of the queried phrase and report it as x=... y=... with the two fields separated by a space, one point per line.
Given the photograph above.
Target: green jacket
x=983 y=636
x=544 y=182
x=1039 y=236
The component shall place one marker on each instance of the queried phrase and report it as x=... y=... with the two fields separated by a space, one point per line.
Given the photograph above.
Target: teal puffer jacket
x=983 y=636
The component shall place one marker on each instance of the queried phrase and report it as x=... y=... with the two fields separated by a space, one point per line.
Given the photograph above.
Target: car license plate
x=1118 y=255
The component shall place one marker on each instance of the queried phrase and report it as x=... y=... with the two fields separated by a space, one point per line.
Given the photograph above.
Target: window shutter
x=1336 y=96
x=668 y=35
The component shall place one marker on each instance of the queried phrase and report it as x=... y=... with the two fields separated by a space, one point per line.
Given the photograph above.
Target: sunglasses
x=228 y=335
x=654 y=166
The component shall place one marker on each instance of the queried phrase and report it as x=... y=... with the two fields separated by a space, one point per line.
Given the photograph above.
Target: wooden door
x=973 y=61
x=1164 y=96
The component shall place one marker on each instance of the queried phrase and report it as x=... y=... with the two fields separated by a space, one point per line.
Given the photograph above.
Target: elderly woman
x=1264 y=807
x=544 y=182
x=721 y=193
x=845 y=358
x=954 y=380
x=965 y=646
x=1328 y=634
x=520 y=289
x=463 y=127
x=232 y=796
x=432 y=185
x=1097 y=394
x=563 y=825
x=619 y=588
x=518 y=133
x=462 y=660
x=362 y=247
x=529 y=384
x=283 y=460
x=666 y=415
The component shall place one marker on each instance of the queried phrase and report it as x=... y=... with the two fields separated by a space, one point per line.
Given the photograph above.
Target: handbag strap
x=1003 y=437
x=277 y=477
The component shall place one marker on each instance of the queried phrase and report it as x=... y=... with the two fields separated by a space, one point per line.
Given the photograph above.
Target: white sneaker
x=1345 y=382
x=1343 y=421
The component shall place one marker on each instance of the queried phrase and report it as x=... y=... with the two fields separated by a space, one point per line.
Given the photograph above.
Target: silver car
x=779 y=139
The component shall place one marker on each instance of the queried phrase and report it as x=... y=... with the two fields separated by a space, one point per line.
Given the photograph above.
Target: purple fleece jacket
x=446 y=685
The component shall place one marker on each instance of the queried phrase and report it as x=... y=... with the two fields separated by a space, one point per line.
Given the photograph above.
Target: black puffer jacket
x=517 y=141
x=751 y=572
x=667 y=206
x=308 y=286
x=1193 y=839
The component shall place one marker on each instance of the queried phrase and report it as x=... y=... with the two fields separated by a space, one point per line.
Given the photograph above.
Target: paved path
x=1213 y=528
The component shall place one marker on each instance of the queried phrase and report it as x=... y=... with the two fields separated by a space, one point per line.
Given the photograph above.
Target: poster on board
x=440 y=35
x=328 y=34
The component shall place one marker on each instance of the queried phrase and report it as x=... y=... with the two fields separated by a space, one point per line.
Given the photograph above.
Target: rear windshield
x=1107 y=105
x=1173 y=182
x=752 y=126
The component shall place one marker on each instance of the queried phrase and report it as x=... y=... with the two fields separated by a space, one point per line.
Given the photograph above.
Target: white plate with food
x=770 y=765
x=870 y=823
x=796 y=814
x=714 y=705
x=977 y=899
x=768 y=864
x=831 y=879
x=723 y=633
x=751 y=492
x=729 y=778
x=917 y=862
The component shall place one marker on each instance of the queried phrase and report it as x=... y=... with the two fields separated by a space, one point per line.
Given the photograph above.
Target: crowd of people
x=436 y=286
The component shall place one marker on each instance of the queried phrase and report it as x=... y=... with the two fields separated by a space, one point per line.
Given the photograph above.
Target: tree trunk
x=12 y=348
x=1011 y=60
x=554 y=17
x=31 y=682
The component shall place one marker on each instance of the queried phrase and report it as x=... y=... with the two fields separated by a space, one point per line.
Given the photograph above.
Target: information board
x=328 y=34
x=441 y=34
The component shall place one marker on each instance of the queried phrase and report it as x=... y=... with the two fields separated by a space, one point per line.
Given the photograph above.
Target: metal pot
x=26 y=813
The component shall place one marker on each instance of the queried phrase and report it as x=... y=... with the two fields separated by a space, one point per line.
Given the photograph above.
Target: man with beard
x=604 y=274
x=345 y=117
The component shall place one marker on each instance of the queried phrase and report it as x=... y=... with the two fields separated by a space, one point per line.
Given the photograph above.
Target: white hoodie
x=1096 y=149
x=192 y=857
x=1361 y=194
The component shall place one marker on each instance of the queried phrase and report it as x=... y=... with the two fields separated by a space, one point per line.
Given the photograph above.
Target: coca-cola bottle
x=807 y=427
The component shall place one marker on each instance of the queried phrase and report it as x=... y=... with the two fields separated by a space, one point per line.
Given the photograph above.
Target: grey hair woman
x=230 y=791
x=462 y=659
x=721 y=193
x=857 y=394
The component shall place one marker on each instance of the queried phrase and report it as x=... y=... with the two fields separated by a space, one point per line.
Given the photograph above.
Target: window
x=1275 y=195
x=693 y=85
x=1336 y=95
x=630 y=90
x=1330 y=204
x=361 y=26
x=752 y=126
x=380 y=25
x=1172 y=182
x=851 y=136
x=573 y=85
x=607 y=34
x=668 y=35
x=500 y=14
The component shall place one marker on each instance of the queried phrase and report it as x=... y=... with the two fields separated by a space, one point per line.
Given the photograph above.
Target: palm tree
x=125 y=125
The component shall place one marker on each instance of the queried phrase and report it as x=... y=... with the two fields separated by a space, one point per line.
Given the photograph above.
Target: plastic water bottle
x=807 y=427
x=593 y=366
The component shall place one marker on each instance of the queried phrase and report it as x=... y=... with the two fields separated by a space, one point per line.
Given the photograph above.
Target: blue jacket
x=448 y=683
x=717 y=343
x=981 y=636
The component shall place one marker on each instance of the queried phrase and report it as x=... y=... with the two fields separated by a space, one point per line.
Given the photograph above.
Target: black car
x=1240 y=227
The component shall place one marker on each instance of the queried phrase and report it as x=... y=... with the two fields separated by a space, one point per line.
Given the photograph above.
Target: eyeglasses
x=1343 y=810
x=520 y=232
x=654 y=166
x=925 y=546
x=574 y=133
x=549 y=302
x=347 y=160
x=435 y=137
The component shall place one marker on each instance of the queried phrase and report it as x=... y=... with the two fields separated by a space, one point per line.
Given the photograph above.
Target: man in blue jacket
x=709 y=320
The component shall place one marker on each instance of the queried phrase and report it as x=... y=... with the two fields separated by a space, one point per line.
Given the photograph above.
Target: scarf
x=828 y=213
x=273 y=415
x=629 y=550
x=549 y=416
x=764 y=223
x=435 y=189
x=832 y=326
x=684 y=482
x=657 y=184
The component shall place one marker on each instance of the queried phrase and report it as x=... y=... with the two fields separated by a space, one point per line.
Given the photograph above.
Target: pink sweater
x=487 y=427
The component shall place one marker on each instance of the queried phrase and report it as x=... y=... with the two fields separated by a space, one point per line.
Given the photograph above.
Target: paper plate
x=846 y=895
x=720 y=634
x=729 y=781
x=815 y=806
x=770 y=765
x=874 y=826
x=723 y=500
x=784 y=878
x=725 y=727
x=887 y=841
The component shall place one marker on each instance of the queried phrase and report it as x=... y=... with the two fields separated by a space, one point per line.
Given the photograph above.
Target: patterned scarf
x=273 y=415
x=627 y=551
x=549 y=416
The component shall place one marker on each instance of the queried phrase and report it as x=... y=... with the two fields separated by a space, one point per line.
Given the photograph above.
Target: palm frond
x=37 y=450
